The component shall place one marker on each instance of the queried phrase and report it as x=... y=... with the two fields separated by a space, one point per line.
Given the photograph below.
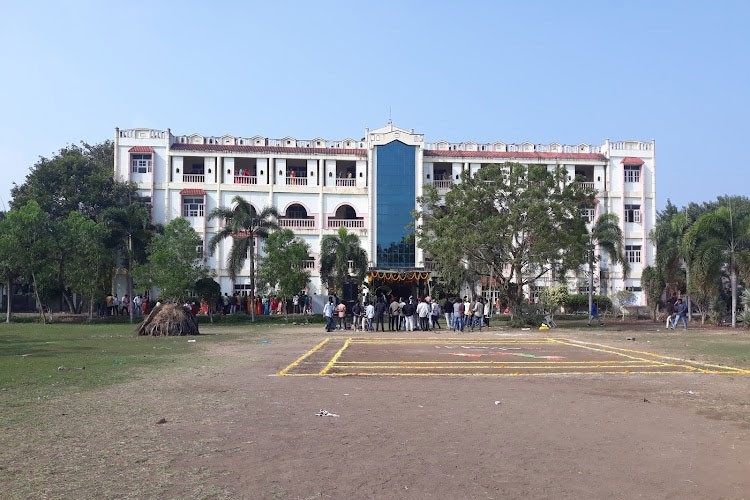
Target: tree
x=89 y=261
x=209 y=290
x=720 y=236
x=26 y=238
x=130 y=231
x=174 y=262
x=554 y=297
x=653 y=285
x=607 y=235
x=76 y=179
x=281 y=265
x=341 y=258
x=513 y=222
x=243 y=224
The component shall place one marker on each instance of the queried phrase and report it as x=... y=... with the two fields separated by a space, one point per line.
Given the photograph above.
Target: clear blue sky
x=571 y=72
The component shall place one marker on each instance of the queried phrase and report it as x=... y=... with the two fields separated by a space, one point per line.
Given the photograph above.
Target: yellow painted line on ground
x=309 y=353
x=493 y=362
x=680 y=360
x=335 y=358
x=516 y=374
x=604 y=348
x=540 y=367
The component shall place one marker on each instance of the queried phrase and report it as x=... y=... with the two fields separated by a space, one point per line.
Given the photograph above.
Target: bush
x=580 y=303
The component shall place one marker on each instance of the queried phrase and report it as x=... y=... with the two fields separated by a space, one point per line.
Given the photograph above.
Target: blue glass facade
x=396 y=168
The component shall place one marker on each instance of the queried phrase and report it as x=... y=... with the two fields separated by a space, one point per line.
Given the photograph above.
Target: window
x=192 y=206
x=633 y=253
x=633 y=213
x=141 y=163
x=632 y=173
x=199 y=251
x=588 y=214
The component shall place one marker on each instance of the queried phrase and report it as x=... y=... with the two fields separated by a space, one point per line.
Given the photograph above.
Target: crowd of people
x=421 y=313
x=268 y=305
x=116 y=306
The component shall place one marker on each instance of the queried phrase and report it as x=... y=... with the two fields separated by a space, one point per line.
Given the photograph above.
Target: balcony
x=296 y=181
x=346 y=182
x=308 y=264
x=194 y=178
x=347 y=223
x=587 y=185
x=291 y=223
x=245 y=179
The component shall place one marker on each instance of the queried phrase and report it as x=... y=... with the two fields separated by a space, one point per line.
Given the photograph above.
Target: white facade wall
x=322 y=196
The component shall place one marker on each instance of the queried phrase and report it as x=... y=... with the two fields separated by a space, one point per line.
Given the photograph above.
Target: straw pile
x=169 y=319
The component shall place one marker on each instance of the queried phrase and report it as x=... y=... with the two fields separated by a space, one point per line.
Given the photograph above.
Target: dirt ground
x=235 y=429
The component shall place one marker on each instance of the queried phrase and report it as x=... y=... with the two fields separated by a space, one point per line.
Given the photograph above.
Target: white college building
x=369 y=185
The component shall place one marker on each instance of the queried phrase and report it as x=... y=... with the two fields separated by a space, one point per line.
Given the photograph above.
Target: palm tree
x=671 y=251
x=243 y=224
x=336 y=253
x=720 y=237
x=130 y=231
x=607 y=235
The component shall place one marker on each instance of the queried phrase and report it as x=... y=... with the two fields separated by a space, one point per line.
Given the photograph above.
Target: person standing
x=380 y=309
x=341 y=312
x=435 y=314
x=458 y=315
x=478 y=311
x=408 y=311
x=369 y=315
x=394 y=310
x=423 y=311
x=448 y=311
x=357 y=312
x=328 y=314
x=680 y=314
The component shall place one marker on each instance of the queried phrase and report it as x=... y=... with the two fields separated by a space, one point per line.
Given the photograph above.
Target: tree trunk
x=591 y=282
x=10 y=300
x=252 y=277
x=91 y=308
x=733 y=282
x=129 y=282
x=38 y=300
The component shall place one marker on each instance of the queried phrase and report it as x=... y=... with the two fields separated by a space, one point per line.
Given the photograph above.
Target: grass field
x=168 y=418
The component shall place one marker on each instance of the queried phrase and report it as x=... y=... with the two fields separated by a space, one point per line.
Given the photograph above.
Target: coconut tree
x=243 y=224
x=607 y=235
x=720 y=236
x=337 y=253
x=672 y=253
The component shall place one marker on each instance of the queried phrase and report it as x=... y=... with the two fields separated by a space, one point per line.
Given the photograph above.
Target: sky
x=541 y=71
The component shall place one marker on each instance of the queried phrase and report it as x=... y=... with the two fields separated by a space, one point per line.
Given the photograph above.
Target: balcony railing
x=587 y=185
x=308 y=264
x=347 y=223
x=443 y=185
x=245 y=179
x=296 y=223
x=193 y=178
x=346 y=182
x=296 y=181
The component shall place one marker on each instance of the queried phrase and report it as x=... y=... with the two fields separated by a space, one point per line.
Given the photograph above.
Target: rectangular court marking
x=426 y=357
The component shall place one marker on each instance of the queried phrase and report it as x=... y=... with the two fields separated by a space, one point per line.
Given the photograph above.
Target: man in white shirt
x=423 y=311
x=369 y=314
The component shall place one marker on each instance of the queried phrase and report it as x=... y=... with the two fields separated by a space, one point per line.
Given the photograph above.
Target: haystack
x=169 y=319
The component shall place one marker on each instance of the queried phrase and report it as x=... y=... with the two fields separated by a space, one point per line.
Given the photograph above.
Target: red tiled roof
x=228 y=148
x=516 y=155
x=141 y=149
x=193 y=192
x=632 y=161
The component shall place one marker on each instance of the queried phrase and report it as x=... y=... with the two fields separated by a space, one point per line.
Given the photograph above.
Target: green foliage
x=511 y=221
x=554 y=297
x=76 y=179
x=579 y=303
x=89 y=263
x=281 y=266
x=336 y=252
x=174 y=262
x=208 y=289
x=242 y=224
x=652 y=282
